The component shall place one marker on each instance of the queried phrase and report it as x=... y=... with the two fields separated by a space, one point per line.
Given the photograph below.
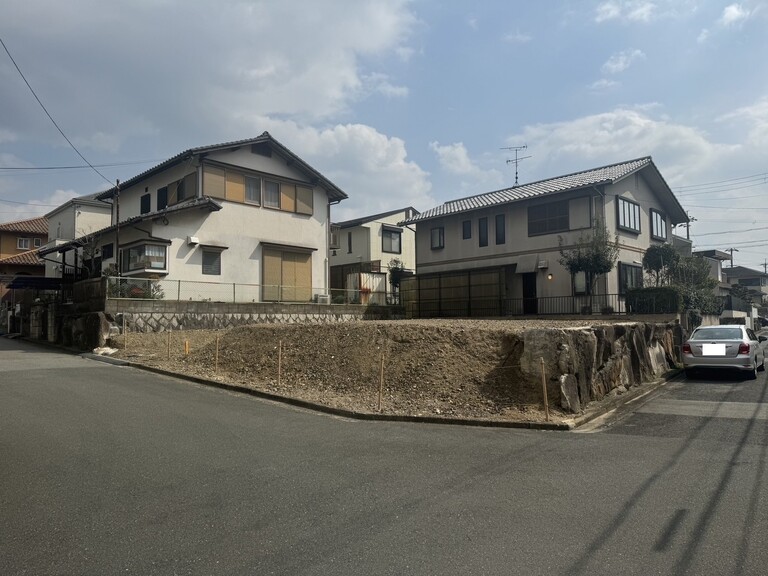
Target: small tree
x=692 y=275
x=742 y=293
x=595 y=254
x=659 y=262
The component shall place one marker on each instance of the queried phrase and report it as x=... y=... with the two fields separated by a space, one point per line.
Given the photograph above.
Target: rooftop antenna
x=517 y=159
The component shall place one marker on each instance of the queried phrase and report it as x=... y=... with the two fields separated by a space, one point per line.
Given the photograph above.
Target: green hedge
x=660 y=300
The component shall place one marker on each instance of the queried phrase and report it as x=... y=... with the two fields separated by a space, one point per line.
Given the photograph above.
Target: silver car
x=732 y=347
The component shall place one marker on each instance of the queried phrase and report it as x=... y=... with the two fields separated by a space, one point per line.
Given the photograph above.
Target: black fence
x=482 y=294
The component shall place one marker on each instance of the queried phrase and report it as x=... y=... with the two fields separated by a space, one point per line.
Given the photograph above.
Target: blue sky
x=400 y=103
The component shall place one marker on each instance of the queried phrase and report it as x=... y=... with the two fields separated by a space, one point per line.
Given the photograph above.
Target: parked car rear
x=724 y=347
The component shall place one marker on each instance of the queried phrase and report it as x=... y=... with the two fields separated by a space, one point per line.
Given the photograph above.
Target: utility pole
x=732 y=250
x=117 y=229
x=691 y=219
x=517 y=159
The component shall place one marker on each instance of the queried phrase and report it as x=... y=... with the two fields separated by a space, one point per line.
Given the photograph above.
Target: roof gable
x=264 y=142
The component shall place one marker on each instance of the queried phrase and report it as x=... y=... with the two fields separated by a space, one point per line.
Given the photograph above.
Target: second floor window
x=37 y=242
x=162 y=198
x=482 y=231
x=501 y=235
x=658 y=225
x=271 y=194
x=628 y=215
x=252 y=190
x=466 y=229
x=146 y=206
x=548 y=218
x=437 y=238
x=390 y=241
x=22 y=243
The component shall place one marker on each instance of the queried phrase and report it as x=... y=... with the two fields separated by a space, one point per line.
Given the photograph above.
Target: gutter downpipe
x=327 y=267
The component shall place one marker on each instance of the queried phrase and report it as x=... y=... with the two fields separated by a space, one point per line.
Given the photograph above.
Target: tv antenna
x=517 y=159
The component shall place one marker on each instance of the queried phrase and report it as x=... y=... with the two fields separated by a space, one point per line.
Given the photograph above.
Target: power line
x=763 y=175
x=27 y=203
x=51 y=117
x=33 y=168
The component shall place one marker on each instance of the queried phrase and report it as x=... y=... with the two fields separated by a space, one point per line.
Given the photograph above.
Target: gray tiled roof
x=594 y=177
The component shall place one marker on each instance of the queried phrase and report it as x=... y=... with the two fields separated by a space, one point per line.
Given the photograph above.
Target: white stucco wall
x=241 y=228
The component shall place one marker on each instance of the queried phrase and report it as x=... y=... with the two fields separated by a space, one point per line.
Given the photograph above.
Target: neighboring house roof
x=742 y=272
x=87 y=200
x=410 y=212
x=203 y=203
x=31 y=226
x=713 y=254
x=585 y=179
x=28 y=258
x=334 y=192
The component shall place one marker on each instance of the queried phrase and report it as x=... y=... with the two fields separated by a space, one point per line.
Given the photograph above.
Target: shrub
x=659 y=300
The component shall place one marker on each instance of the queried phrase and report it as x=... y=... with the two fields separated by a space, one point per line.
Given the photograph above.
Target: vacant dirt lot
x=443 y=368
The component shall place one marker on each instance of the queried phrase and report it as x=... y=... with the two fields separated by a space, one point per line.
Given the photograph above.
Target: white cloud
x=372 y=168
x=380 y=83
x=307 y=61
x=733 y=14
x=631 y=10
x=755 y=117
x=620 y=61
x=603 y=84
x=517 y=38
x=623 y=134
x=703 y=36
x=454 y=159
x=12 y=211
x=472 y=23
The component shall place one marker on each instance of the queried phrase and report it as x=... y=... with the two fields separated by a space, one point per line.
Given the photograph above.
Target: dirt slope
x=444 y=368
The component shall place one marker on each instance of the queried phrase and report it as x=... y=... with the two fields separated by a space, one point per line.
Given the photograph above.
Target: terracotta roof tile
x=28 y=258
x=31 y=226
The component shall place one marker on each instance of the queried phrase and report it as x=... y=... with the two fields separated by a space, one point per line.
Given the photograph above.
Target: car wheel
x=761 y=368
x=689 y=373
x=752 y=375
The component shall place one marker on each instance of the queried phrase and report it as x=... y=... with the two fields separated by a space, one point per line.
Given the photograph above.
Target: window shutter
x=235 y=186
x=288 y=197
x=304 y=200
x=214 y=182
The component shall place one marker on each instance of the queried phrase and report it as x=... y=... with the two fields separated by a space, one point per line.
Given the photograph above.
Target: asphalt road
x=112 y=470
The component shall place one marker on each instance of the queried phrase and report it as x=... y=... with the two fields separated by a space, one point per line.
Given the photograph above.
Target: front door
x=529 y=293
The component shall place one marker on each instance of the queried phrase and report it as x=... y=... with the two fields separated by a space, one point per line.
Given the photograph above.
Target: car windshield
x=717 y=333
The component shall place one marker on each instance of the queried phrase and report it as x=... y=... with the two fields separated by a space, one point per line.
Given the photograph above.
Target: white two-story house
x=499 y=251
x=369 y=244
x=248 y=216
x=76 y=218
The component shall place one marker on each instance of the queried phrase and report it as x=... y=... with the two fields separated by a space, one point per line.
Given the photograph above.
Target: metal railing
x=598 y=304
x=126 y=287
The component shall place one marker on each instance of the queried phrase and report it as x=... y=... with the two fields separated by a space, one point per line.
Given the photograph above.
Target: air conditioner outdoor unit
x=323 y=298
x=192 y=240
x=543 y=264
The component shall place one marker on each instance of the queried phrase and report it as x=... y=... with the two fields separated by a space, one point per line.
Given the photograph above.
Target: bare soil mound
x=426 y=368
